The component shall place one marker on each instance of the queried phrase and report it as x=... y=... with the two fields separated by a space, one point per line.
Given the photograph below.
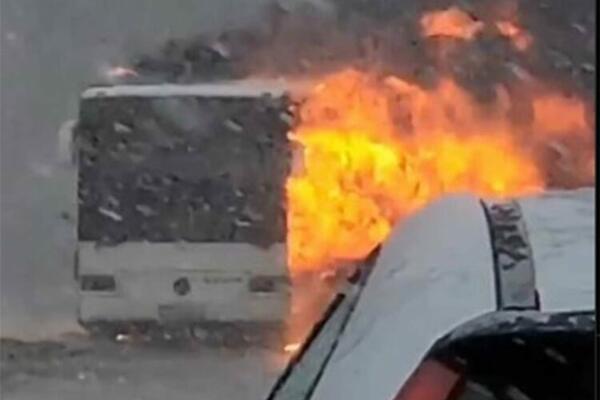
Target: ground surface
x=81 y=369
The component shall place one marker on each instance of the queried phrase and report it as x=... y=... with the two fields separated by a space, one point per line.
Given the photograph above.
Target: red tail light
x=430 y=381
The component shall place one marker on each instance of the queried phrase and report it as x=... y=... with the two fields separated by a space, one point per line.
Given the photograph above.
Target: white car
x=466 y=300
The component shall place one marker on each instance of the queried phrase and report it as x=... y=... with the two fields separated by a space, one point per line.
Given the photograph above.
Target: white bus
x=181 y=204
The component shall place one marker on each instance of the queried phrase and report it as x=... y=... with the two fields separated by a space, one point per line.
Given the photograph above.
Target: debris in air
x=110 y=214
x=120 y=72
x=291 y=347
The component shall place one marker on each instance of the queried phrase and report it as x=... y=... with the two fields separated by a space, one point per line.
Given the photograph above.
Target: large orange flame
x=374 y=150
x=558 y=115
x=452 y=22
x=455 y=23
x=519 y=38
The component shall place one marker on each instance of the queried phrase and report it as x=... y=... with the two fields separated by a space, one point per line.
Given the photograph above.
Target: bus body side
x=181 y=205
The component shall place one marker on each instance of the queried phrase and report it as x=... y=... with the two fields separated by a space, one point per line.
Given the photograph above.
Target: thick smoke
x=383 y=37
x=317 y=37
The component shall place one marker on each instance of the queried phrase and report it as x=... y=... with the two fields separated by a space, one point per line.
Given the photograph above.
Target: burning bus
x=208 y=167
x=181 y=204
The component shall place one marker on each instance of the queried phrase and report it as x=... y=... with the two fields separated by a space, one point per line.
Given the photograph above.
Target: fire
x=558 y=115
x=371 y=149
x=291 y=347
x=452 y=22
x=518 y=37
x=374 y=150
x=119 y=71
x=455 y=23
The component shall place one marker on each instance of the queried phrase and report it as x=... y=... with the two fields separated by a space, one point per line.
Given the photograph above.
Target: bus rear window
x=196 y=169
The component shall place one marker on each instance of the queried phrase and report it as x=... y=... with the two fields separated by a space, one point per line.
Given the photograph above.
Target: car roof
x=435 y=272
x=247 y=88
x=561 y=230
x=430 y=276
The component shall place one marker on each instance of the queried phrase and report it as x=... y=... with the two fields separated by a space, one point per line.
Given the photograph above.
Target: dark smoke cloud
x=321 y=36
x=309 y=39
